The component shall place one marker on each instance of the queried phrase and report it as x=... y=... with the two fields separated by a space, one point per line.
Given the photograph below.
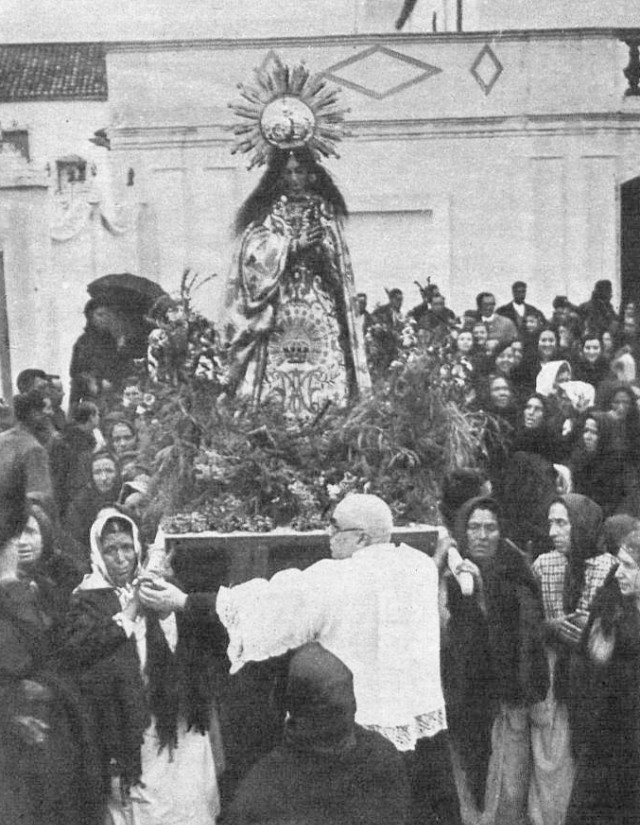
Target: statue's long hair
x=257 y=205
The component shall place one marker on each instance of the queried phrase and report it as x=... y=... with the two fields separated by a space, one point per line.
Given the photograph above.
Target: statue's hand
x=310 y=236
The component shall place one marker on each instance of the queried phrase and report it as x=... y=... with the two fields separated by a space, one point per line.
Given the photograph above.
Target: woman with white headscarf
x=150 y=688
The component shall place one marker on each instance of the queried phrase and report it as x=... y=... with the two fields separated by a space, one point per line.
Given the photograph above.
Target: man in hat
x=374 y=605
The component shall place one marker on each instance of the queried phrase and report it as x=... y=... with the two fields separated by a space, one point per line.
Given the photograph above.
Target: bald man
x=374 y=605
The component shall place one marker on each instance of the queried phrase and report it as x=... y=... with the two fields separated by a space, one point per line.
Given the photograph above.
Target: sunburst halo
x=284 y=107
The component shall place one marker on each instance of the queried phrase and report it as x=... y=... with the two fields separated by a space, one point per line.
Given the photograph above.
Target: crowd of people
x=495 y=683
x=563 y=390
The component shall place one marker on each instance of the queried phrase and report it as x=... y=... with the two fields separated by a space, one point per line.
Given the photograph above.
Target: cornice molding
x=163 y=137
x=372 y=39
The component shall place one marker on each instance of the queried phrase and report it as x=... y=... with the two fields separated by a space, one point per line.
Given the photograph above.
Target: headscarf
x=540 y=440
x=623 y=367
x=320 y=702
x=493 y=655
x=585 y=517
x=598 y=474
x=98 y=579
x=96 y=494
x=581 y=394
x=177 y=684
x=546 y=380
x=464 y=513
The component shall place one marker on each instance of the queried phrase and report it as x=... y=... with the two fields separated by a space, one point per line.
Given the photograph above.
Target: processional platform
x=208 y=560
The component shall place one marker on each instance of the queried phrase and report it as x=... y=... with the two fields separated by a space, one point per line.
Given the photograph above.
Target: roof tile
x=52 y=71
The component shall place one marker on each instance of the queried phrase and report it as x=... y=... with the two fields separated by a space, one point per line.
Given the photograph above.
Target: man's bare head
x=365 y=513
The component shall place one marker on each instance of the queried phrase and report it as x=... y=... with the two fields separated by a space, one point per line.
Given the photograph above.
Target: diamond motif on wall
x=486 y=69
x=379 y=72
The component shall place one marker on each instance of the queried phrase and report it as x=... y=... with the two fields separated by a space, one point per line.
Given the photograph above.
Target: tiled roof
x=52 y=71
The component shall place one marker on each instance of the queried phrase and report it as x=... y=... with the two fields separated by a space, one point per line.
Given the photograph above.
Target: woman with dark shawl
x=102 y=491
x=290 y=304
x=536 y=430
x=607 y=784
x=596 y=467
x=493 y=666
x=495 y=397
x=49 y=765
x=149 y=680
x=328 y=770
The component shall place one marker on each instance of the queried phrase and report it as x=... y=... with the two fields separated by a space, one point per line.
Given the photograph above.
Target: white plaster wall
x=475 y=190
x=47 y=279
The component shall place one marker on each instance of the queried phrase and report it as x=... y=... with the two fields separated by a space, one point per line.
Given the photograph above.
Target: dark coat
x=57 y=782
x=70 y=459
x=507 y=311
x=96 y=356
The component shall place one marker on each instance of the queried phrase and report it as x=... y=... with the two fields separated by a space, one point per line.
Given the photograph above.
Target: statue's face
x=295 y=177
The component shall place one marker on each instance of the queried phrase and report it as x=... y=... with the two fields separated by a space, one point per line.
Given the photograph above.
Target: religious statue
x=291 y=303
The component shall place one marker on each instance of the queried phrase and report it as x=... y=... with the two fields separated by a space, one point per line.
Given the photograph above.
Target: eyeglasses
x=334 y=529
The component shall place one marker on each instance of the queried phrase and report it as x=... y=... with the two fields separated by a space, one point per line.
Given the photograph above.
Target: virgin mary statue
x=290 y=304
x=291 y=297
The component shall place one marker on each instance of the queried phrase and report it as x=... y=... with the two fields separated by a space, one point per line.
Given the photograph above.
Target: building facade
x=475 y=157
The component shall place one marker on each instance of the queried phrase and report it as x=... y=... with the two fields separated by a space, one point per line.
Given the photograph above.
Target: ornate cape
x=290 y=313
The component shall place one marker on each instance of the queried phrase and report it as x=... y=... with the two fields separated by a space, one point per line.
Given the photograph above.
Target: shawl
x=600 y=474
x=586 y=523
x=513 y=623
x=328 y=770
x=60 y=778
x=606 y=717
x=529 y=489
x=85 y=507
x=178 y=682
x=320 y=702
x=491 y=657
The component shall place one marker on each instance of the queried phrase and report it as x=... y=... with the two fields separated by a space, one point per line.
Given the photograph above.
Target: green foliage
x=221 y=464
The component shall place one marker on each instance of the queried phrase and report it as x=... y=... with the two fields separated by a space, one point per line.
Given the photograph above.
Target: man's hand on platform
x=161 y=596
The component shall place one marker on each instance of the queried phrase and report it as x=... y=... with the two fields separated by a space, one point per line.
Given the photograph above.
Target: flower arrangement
x=221 y=464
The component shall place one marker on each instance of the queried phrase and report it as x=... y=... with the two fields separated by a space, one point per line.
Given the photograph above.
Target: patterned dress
x=290 y=312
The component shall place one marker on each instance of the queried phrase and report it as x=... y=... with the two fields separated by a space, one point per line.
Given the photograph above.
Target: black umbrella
x=130 y=293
